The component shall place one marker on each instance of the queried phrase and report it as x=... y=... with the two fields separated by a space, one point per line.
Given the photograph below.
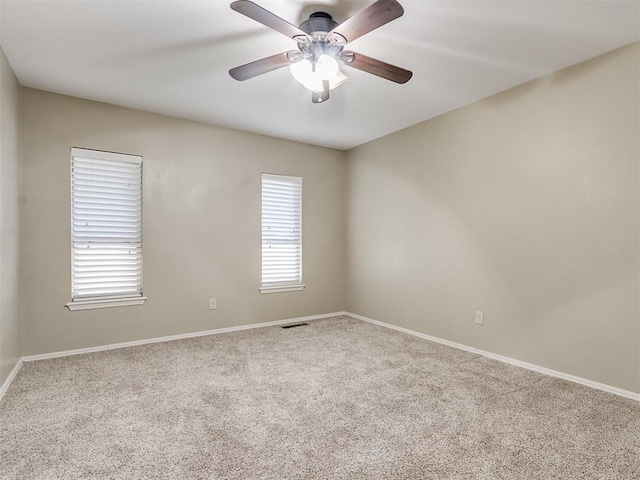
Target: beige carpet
x=338 y=399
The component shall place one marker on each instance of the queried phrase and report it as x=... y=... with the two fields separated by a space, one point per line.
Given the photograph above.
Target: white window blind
x=281 y=233
x=106 y=211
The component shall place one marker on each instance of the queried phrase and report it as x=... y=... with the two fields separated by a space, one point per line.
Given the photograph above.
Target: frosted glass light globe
x=327 y=67
x=301 y=70
x=338 y=80
x=313 y=82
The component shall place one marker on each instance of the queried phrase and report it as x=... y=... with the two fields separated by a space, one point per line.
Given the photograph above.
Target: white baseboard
x=12 y=375
x=66 y=353
x=510 y=361
x=79 y=351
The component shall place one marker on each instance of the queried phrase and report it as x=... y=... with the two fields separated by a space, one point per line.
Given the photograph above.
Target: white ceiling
x=172 y=57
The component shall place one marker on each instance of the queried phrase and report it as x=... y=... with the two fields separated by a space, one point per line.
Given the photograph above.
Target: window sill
x=109 y=303
x=282 y=288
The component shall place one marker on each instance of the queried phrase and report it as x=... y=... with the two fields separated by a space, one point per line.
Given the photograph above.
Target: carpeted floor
x=338 y=399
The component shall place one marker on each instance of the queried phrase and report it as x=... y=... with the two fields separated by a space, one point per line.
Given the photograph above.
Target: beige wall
x=9 y=219
x=201 y=224
x=525 y=206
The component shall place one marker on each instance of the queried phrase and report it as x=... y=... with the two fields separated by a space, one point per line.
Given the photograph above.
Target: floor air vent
x=295 y=325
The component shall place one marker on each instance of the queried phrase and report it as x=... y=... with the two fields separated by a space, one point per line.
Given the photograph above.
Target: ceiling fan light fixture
x=337 y=80
x=327 y=67
x=314 y=82
x=301 y=70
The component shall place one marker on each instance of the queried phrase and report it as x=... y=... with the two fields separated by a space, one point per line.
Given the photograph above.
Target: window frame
x=285 y=286
x=106 y=300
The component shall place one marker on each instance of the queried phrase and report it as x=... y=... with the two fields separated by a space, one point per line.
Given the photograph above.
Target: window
x=106 y=229
x=281 y=233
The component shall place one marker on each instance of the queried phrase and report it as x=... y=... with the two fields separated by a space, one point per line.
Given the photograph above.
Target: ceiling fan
x=321 y=41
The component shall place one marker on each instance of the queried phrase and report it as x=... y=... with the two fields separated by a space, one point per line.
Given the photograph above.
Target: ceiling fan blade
x=376 y=67
x=264 y=65
x=372 y=17
x=265 y=17
x=323 y=96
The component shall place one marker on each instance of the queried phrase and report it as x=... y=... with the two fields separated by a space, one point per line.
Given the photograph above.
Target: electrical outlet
x=212 y=304
x=479 y=317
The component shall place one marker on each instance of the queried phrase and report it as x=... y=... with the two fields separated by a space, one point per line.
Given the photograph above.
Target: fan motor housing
x=318 y=22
